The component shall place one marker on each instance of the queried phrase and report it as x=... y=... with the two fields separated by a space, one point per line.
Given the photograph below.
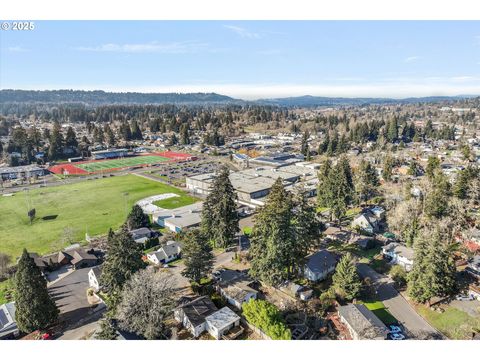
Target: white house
x=399 y=255
x=8 y=325
x=366 y=222
x=94 y=277
x=319 y=265
x=167 y=253
x=201 y=314
x=235 y=287
x=192 y=313
x=221 y=321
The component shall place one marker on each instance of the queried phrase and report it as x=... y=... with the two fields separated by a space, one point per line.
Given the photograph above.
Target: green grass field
x=175 y=202
x=381 y=312
x=455 y=324
x=92 y=206
x=121 y=163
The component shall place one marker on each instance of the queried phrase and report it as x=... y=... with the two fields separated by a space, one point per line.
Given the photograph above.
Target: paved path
x=396 y=304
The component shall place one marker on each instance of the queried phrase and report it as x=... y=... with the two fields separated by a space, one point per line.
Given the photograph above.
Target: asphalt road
x=416 y=327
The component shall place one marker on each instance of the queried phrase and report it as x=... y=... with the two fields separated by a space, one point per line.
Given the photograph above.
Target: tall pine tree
x=35 y=309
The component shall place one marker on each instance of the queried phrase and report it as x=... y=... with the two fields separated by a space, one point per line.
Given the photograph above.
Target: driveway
x=182 y=284
x=416 y=326
x=70 y=295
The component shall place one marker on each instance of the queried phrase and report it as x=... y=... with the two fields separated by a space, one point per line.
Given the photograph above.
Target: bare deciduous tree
x=147 y=301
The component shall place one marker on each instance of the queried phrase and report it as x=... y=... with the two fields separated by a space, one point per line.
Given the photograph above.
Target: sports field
x=121 y=163
x=93 y=206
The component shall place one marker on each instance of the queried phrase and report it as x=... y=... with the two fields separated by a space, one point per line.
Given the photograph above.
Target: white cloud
x=152 y=47
x=411 y=59
x=242 y=32
x=17 y=49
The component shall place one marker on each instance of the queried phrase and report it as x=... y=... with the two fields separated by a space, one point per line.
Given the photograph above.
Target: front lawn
x=381 y=312
x=454 y=323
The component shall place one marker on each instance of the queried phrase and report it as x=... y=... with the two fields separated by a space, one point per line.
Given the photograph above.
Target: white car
x=396 y=336
x=463 y=297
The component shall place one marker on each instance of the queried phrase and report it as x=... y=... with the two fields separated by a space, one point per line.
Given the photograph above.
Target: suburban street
x=415 y=325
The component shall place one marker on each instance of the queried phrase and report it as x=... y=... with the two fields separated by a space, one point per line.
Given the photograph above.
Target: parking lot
x=181 y=170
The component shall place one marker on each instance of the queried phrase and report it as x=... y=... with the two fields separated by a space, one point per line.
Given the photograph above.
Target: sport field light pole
x=125 y=196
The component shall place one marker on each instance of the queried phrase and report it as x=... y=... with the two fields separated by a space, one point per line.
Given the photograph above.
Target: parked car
x=396 y=336
x=464 y=297
x=395 y=329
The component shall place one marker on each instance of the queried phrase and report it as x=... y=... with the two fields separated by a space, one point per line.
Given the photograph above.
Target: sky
x=247 y=59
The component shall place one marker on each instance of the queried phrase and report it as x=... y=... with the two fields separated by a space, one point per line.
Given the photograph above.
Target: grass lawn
x=175 y=202
x=455 y=324
x=247 y=230
x=5 y=287
x=381 y=312
x=120 y=163
x=93 y=206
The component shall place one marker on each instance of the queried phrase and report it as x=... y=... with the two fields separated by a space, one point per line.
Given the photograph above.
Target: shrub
x=267 y=317
x=399 y=275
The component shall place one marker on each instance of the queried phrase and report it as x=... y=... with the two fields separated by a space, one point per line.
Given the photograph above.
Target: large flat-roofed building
x=109 y=154
x=21 y=172
x=253 y=185
x=180 y=218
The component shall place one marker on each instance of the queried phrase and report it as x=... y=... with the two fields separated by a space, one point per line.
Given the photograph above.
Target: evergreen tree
x=367 y=181
x=304 y=147
x=197 y=255
x=433 y=273
x=272 y=237
x=346 y=281
x=55 y=150
x=124 y=259
x=388 y=164
x=137 y=218
x=71 y=138
x=135 y=131
x=432 y=166
x=219 y=214
x=35 y=309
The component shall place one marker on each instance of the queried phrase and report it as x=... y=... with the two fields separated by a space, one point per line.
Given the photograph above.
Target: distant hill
x=99 y=97
x=312 y=101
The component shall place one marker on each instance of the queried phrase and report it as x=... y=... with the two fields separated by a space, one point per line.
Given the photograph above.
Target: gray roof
x=198 y=309
x=7 y=319
x=401 y=250
x=364 y=322
x=140 y=233
x=321 y=261
x=222 y=318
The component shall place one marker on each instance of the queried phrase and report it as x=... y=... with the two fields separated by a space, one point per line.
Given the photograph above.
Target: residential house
x=142 y=235
x=94 y=277
x=77 y=257
x=362 y=323
x=8 y=325
x=337 y=234
x=366 y=221
x=319 y=265
x=221 y=322
x=473 y=267
x=399 y=254
x=236 y=287
x=167 y=253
